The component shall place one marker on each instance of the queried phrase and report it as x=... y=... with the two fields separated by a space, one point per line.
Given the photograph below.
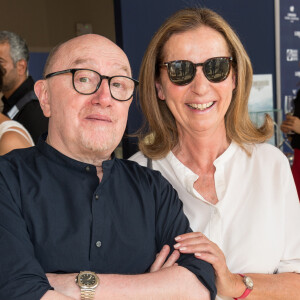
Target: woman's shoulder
x=140 y=158
x=268 y=153
x=8 y=124
x=268 y=148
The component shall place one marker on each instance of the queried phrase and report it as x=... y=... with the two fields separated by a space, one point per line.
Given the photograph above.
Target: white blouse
x=256 y=222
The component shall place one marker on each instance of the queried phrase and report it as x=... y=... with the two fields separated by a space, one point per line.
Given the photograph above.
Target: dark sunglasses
x=182 y=72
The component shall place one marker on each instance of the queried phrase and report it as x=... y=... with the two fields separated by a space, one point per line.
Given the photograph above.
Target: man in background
x=19 y=99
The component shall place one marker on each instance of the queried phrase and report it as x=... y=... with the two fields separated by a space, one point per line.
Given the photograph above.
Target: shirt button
x=87 y=168
x=96 y=196
x=98 y=244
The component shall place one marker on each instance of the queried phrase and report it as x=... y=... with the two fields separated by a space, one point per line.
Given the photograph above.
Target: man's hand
x=64 y=284
x=160 y=261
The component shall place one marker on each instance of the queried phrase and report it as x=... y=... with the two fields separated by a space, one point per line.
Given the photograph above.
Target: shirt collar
x=227 y=154
x=59 y=158
x=186 y=176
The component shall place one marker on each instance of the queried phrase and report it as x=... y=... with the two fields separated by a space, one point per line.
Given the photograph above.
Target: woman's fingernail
x=178 y=238
x=182 y=248
x=197 y=254
x=177 y=245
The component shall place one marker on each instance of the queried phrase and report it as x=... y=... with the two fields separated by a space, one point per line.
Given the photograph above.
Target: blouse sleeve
x=290 y=261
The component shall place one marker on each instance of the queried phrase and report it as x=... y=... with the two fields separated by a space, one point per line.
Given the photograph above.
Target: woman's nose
x=200 y=83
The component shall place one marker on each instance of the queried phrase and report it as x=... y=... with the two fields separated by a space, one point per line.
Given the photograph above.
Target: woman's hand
x=161 y=262
x=195 y=242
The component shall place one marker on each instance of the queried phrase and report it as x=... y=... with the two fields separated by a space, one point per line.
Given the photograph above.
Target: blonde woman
x=237 y=191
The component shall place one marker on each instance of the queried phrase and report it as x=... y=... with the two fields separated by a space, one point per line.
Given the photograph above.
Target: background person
x=12 y=134
x=19 y=99
x=292 y=123
x=238 y=191
x=68 y=205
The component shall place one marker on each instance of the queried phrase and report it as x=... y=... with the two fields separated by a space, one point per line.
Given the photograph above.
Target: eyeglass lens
x=182 y=72
x=87 y=82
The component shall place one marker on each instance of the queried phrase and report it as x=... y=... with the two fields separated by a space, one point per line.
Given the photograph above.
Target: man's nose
x=102 y=96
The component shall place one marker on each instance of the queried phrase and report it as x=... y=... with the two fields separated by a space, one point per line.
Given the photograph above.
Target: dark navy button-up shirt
x=56 y=217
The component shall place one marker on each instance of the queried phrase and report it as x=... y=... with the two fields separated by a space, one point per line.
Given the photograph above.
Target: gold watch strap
x=87 y=294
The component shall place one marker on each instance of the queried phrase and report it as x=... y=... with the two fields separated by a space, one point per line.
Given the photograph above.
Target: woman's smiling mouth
x=200 y=106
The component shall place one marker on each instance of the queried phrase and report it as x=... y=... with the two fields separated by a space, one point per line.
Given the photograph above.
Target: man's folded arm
x=192 y=279
x=170 y=283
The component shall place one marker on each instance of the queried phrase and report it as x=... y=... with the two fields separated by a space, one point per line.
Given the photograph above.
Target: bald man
x=76 y=222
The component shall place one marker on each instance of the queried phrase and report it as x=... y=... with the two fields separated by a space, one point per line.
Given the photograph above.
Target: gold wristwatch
x=87 y=281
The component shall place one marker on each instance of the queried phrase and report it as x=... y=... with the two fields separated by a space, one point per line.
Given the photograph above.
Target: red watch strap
x=246 y=293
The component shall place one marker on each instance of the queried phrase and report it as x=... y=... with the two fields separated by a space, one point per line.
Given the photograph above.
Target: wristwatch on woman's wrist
x=249 y=286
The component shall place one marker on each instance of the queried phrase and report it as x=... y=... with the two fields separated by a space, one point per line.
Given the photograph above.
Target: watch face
x=87 y=279
x=248 y=282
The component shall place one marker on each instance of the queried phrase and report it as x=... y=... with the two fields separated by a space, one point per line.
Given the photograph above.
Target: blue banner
x=289 y=51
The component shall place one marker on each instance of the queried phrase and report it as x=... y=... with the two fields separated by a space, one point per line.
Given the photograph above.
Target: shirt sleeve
x=290 y=261
x=171 y=222
x=21 y=276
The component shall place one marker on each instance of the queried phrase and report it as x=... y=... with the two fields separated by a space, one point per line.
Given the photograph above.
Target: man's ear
x=22 y=67
x=160 y=92
x=40 y=89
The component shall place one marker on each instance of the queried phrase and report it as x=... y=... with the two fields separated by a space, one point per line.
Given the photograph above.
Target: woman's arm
x=284 y=286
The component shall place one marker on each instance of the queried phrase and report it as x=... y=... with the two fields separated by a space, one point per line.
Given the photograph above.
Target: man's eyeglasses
x=182 y=72
x=87 y=82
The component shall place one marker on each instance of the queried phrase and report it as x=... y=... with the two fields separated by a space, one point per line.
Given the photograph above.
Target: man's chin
x=100 y=142
x=99 y=146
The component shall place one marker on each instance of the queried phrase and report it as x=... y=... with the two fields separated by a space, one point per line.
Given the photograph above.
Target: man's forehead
x=4 y=45
x=5 y=51
x=103 y=66
x=93 y=56
x=95 y=62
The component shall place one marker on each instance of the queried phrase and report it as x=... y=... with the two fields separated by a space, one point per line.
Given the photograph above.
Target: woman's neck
x=199 y=152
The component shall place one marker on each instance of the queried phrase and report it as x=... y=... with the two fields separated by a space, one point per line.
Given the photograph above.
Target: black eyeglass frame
x=73 y=71
x=195 y=65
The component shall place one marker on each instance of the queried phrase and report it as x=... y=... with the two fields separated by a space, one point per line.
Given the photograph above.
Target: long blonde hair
x=159 y=134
